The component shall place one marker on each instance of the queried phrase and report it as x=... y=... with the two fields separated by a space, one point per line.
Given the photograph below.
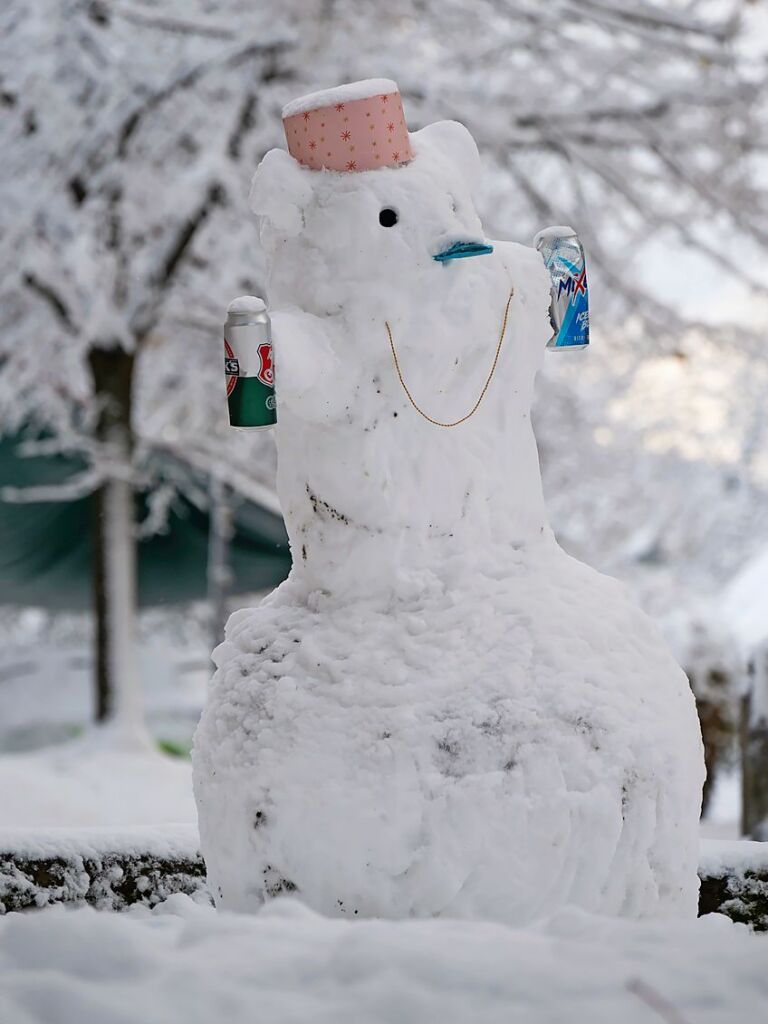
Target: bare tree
x=105 y=234
x=754 y=748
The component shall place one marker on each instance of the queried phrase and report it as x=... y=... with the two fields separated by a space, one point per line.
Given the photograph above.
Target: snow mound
x=184 y=963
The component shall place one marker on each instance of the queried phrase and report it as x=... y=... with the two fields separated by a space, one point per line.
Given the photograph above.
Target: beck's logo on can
x=231 y=368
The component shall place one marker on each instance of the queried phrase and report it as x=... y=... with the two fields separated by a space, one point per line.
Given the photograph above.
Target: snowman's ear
x=280 y=191
x=452 y=139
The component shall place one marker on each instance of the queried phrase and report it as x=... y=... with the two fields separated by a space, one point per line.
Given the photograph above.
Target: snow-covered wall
x=117 y=868
x=109 y=868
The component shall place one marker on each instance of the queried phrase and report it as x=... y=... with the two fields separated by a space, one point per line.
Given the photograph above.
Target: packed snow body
x=439 y=712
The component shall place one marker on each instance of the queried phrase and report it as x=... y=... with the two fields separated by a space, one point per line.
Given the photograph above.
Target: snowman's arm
x=308 y=374
x=527 y=274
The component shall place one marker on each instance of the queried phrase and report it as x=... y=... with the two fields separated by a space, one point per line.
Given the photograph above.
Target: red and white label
x=266 y=372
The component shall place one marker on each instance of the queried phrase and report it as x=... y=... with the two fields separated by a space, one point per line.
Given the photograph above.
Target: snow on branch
x=165 y=23
x=159 y=504
x=269 y=48
x=76 y=487
x=162 y=277
x=640 y=12
x=204 y=456
x=52 y=298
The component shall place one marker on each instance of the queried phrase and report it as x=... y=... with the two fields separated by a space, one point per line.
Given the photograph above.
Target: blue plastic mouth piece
x=461 y=250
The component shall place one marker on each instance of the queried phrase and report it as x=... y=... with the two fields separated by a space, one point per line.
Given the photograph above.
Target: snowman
x=439 y=712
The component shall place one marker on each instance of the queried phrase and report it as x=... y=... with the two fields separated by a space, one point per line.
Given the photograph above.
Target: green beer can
x=248 y=365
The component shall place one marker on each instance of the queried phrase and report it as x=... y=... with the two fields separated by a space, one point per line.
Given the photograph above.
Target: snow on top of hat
x=341 y=94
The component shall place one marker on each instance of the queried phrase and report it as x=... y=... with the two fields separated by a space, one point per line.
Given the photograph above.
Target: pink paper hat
x=355 y=127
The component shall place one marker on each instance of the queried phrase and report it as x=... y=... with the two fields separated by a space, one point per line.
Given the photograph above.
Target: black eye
x=387 y=218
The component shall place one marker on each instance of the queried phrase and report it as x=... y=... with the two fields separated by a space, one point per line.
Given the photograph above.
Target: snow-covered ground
x=85 y=783
x=46 y=674
x=184 y=962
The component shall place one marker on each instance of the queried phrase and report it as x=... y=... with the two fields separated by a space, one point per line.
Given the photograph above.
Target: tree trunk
x=754 y=751
x=118 y=697
x=219 y=569
x=716 y=737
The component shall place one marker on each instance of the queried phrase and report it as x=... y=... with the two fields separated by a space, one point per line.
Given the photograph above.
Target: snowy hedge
x=734 y=881
x=108 y=868
x=113 y=869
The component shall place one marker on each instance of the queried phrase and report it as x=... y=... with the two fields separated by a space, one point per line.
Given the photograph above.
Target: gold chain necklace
x=476 y=406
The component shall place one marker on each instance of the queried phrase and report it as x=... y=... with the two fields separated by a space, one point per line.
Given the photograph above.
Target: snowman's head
x=338 y=240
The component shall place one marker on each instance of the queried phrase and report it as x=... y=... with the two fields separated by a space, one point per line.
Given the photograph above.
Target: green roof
x=46 y=547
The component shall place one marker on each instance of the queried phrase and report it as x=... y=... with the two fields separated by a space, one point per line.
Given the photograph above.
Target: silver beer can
x=248 y=365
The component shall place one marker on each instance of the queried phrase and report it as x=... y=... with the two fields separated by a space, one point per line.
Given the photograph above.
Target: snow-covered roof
x=340 y=94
